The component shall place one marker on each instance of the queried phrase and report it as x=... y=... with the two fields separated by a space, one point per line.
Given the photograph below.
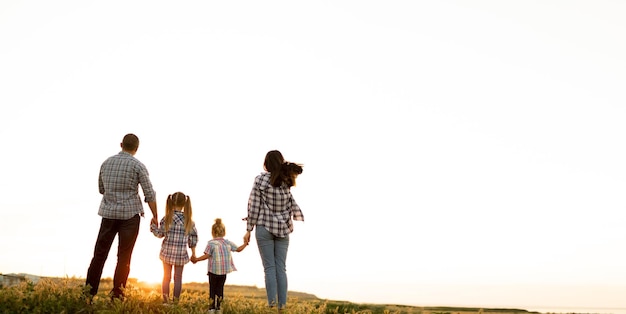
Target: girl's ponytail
x=169 y=213
x=188 y=215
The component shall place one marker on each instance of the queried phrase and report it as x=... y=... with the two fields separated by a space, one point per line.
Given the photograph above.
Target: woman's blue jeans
x=274 y=256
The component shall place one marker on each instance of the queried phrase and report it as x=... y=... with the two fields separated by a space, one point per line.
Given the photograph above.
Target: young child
x=179 y=232
x=218 y=252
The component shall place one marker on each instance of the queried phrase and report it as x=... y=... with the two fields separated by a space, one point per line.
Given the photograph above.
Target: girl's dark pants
x=216 y=290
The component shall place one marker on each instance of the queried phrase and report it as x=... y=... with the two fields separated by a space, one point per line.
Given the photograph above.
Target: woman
x=271 y=208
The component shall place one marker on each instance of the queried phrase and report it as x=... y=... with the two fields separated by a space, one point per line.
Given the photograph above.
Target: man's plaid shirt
x=272 y=207
x=119 y=180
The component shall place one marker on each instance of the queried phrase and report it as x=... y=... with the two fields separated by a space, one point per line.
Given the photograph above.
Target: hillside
x=57 y=294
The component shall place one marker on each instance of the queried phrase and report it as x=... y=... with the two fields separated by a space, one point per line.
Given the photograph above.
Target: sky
x=464 y=153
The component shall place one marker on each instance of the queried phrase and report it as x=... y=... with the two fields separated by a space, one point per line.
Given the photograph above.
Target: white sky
x=455 y=152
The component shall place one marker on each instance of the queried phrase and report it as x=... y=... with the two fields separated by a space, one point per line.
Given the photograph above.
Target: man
x=120 y=208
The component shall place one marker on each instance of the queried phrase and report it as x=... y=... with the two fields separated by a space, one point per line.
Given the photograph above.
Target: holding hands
x=194 y=259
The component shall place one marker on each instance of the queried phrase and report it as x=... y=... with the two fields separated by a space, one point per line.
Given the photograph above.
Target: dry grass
x=67 y=295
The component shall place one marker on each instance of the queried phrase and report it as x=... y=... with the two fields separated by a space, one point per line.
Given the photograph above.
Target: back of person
x=121 y=210
x=271 y=209
x=218 y=252
x=175 y=241
x=277 y=198
x=120 y=177
x=179 y=232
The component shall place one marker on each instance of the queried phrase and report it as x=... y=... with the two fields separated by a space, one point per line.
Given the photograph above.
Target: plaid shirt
x=220 y=258
x=174 y=247
x=119 y=180
x=272 y=207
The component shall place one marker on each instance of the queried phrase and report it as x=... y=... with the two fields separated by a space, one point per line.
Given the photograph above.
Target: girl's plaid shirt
x=174 y=247
x=221 y=258
x=272 y=207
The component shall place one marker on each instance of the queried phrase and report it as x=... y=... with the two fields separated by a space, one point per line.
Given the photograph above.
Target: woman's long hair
x=281 y=171
x=178 y=200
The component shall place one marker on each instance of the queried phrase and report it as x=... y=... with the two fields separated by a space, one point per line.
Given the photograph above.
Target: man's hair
x=130 y=142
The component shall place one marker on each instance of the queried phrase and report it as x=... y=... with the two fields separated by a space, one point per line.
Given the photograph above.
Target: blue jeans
x=127 y=230
x=274 y=256
x=167 y=278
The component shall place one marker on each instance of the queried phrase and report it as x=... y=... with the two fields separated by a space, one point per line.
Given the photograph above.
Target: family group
x=271 y=209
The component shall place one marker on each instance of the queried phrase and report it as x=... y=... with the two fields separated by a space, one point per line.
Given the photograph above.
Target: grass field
x=66 y=295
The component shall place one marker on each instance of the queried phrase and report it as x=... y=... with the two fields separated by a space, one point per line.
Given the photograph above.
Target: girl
x=271 y=208
x=218 y=251
x=179 y=231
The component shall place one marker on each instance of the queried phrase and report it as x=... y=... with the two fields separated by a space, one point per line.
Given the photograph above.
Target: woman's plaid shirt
x=174 y=247
x=272 y=207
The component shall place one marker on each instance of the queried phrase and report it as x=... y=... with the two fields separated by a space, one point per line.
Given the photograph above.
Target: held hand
x=154 y=221
x=246 y=238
